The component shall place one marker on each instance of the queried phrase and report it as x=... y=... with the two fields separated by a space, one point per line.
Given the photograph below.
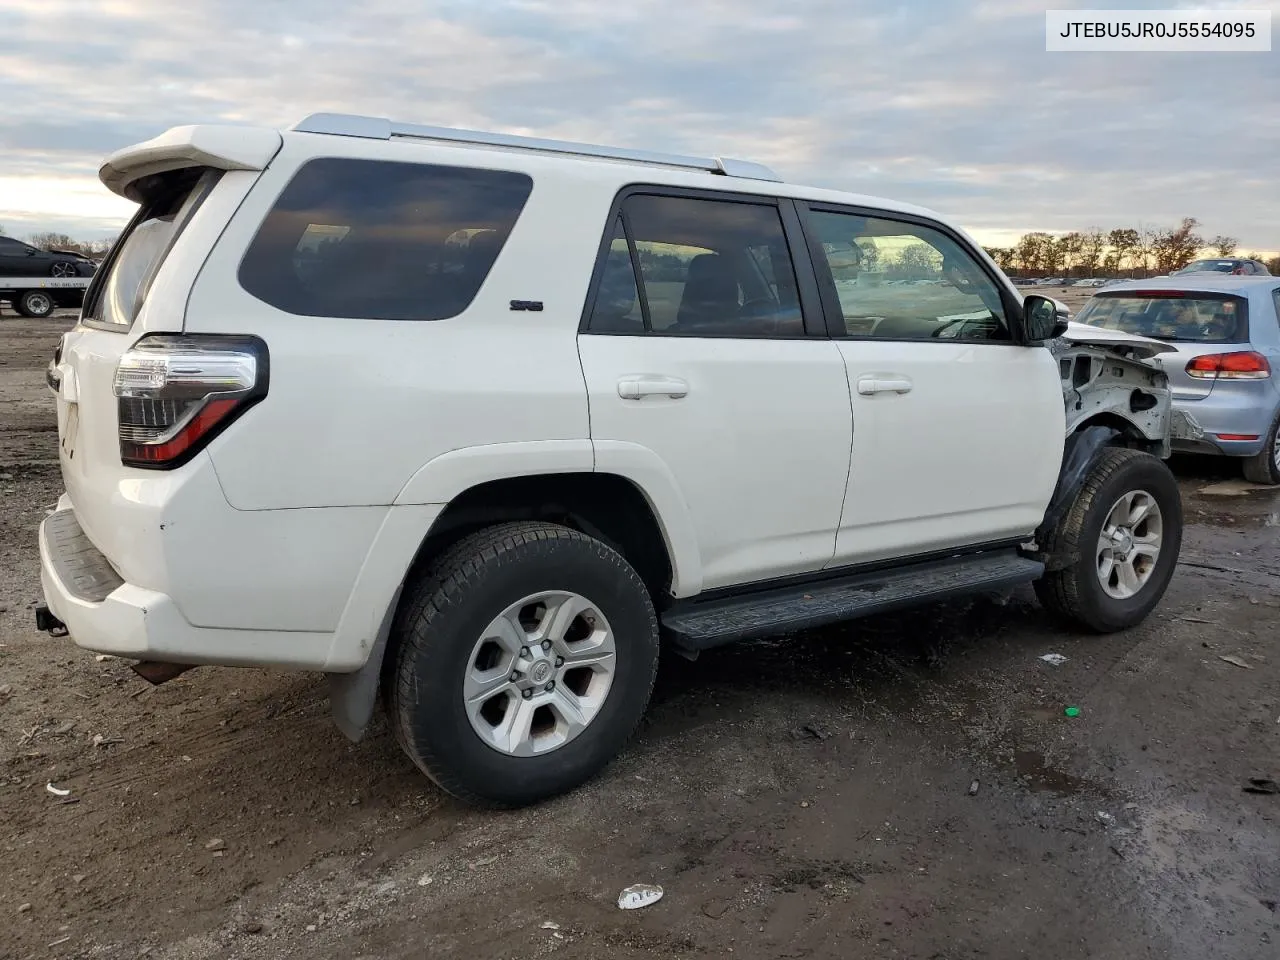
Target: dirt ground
x=907 y=786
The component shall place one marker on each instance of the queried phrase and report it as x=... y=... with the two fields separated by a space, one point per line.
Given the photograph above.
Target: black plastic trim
x=849 y=570
x=791 y=609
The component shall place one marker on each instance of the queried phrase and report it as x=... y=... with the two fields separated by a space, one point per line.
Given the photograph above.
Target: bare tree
x=1069 y=246
x=1176 y=247
x=1125 y=242
x=1146 y=249
x=1224 y=246
x=1003 y=256
x=1033 y=250
x=1092 y=244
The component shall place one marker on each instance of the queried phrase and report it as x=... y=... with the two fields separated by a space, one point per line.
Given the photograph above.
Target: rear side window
x=121 y=284
x=379 y=240
x=1177 y=317
x=704 y=268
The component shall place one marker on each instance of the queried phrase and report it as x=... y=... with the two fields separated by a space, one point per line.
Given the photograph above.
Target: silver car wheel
x=39 y=304
x=63 y=270
x=1275 y=450
x=539 y=674
x=1129 y=544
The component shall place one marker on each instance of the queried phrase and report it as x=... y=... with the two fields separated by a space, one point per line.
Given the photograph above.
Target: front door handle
x=633 y=388
x=870 y=385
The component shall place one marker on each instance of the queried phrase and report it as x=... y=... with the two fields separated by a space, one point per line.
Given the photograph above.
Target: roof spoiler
x=221 y=147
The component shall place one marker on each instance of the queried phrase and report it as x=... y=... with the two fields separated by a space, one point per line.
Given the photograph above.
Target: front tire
x=1264 y=466
x=62 y=269
x=1120 y=539
x=523 y=661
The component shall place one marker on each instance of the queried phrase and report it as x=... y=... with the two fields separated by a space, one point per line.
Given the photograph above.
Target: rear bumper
x=1233 y=414
x=104 y=614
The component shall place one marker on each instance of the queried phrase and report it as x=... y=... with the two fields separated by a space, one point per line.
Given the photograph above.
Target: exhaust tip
x=157 y=673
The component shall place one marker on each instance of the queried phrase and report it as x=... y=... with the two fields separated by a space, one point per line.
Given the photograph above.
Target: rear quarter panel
x=355 y=406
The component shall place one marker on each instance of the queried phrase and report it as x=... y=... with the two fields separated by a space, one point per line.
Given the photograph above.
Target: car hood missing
x=1131 y=344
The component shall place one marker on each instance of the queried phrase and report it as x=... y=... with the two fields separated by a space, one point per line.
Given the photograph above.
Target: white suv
x=473 y=421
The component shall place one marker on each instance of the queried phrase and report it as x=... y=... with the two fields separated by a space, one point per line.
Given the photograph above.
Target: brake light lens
x=1241 y=365
x=175 y=393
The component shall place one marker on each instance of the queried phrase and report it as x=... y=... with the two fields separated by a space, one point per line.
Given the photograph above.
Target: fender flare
x=1080 y=451
x=360 y=643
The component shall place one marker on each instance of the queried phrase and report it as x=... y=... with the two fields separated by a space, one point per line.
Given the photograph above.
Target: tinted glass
x=1202 y=318
x=617 y=307
x=1212 y=266
x=709 y=268
x=118 y=293
x=903 y=281
x=377 y=240
x=1275 y=295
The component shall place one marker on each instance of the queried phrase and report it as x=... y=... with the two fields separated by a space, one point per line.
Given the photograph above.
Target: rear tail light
x=1244 y=365
x=174 y=394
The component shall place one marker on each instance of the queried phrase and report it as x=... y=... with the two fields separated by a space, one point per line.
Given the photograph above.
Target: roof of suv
x=245 y=147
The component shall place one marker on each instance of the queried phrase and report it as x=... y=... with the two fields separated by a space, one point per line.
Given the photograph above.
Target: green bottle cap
x=1072 y=711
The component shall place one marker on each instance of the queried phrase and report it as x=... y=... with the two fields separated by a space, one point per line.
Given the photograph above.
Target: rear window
x=121 y=285
x=379 y=240
x=1179 y=317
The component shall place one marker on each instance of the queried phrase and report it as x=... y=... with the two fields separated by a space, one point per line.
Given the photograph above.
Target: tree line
x=1132 y=251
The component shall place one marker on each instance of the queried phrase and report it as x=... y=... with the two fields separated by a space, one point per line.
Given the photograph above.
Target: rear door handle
x=870 y=385
x=633 y=388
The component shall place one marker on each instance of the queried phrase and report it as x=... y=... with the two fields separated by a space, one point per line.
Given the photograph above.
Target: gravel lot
x=804 y=797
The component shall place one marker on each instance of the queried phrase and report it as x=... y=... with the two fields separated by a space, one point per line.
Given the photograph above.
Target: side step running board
x=709 y=623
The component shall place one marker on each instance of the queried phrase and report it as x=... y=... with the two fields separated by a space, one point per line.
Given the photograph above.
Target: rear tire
x=1264 y=466
x=34 y=303
x=1111 y=581
x=454 y=702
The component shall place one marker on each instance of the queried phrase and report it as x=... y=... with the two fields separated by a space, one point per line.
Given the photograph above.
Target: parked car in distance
x=478 y=424
x=18 y=259
x=1226 y=331
x=1236 y=266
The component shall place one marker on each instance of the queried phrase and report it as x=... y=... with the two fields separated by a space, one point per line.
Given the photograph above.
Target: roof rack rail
x=379 y=128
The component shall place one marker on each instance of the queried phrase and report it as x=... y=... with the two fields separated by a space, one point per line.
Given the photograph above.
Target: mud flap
x=352 y=696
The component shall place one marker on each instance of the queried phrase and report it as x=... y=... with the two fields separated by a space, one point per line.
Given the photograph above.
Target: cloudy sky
x=952 y=105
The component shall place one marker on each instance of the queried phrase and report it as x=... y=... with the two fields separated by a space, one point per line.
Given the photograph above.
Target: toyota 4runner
x=472 y=422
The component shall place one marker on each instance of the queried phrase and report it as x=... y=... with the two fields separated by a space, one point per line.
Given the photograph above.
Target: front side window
x=380 y=240
x=895 y=280
x=706 y=268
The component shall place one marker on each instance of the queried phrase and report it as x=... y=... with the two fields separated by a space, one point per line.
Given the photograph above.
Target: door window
x=895 y=280
x=706 y=268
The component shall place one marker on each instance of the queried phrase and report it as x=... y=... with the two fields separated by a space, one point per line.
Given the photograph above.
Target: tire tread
x=1059 y=590
x=444 y=582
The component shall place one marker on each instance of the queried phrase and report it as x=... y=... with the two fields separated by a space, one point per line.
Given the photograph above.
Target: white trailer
x=40 y=296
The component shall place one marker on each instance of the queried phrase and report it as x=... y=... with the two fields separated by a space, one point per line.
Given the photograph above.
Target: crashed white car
x=478 y=424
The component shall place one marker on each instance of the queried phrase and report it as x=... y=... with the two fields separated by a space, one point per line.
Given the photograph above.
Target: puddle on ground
x=1039 y=776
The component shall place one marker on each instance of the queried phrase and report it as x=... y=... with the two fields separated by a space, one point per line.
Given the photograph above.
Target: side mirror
x=31 y=252
x=1043 y=318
